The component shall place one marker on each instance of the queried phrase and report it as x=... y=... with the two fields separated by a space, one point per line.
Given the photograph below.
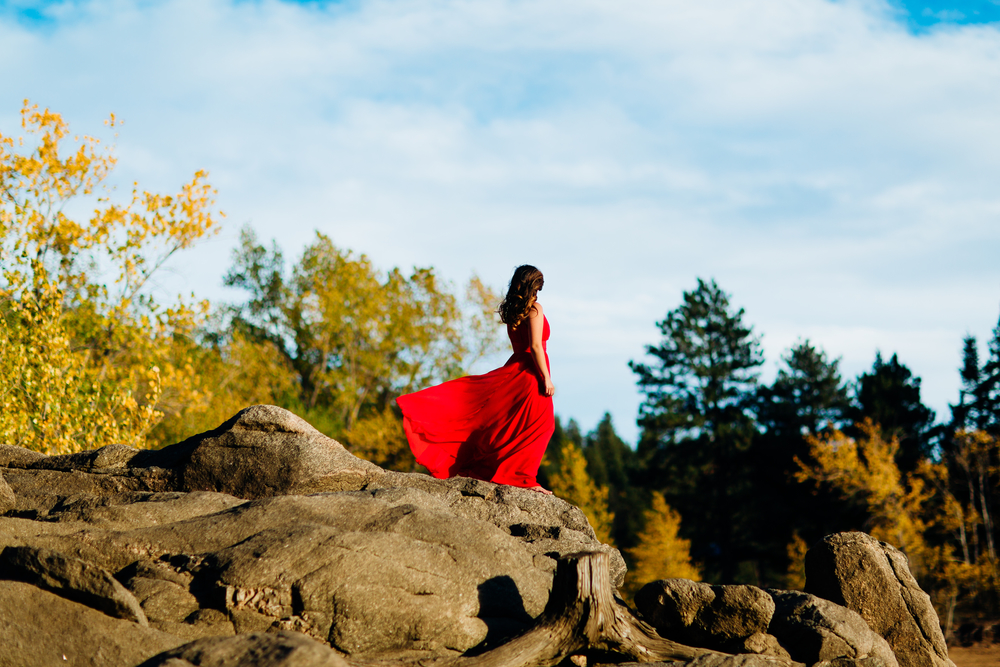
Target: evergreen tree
x=613 y=464
x=807 y=395
x=979 y=398
x=988 y=388
x=696 y=422
x=965 y=415
x=806 y=398
x=890 y=396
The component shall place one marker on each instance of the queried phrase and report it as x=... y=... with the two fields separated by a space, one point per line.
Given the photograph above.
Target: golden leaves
x=82 y=354
x=53 y=399
x=573 y=484
x=865 y=469
x=660 y=553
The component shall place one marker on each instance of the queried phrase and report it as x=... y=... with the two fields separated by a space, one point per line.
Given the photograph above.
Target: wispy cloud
x=832 y=168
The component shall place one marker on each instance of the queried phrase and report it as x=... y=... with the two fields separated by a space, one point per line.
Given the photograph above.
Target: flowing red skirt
x=493 y=427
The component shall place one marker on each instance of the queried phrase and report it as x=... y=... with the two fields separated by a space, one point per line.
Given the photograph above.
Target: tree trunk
x=983 y=470
x=950 y=620
x=583 y=615
x=961 y=535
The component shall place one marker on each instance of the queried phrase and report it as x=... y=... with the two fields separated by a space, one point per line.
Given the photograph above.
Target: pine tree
x=807 y=395
x=966 y=414
x=696 y=422
x=660 y=553
x=988 y=389
x=889 y=395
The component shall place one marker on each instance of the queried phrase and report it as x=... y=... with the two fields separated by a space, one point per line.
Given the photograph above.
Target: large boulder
x=265 y=524
x=814 y=630
x=873 y=578
x=723 y=618
x=263 y=451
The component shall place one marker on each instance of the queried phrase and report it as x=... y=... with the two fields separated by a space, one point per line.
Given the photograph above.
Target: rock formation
x=872 y=578
x=264 y=542
x=745 y=619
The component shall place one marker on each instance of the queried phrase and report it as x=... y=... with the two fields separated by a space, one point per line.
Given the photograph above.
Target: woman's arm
x=536 y=321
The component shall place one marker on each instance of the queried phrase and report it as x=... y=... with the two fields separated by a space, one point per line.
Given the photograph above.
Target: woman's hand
x=550 y=388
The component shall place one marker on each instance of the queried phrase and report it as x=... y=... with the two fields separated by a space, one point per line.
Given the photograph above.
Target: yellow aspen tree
x=365 y=334
x=573 y=484
x=661 y=553
x=795 y=577
x=51 y=398
x=224 y=379
x=865 y=469
x=967 y=568
x=87 y=352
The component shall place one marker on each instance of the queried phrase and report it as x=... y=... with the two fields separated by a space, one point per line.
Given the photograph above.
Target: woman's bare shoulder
x=535 y=310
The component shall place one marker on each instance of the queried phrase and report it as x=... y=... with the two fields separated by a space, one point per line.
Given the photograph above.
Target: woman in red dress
x=493 y=427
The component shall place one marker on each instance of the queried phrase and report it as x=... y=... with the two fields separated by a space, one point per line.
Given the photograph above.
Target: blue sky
x=927 y=14
x=833 y=165
x=916 y=15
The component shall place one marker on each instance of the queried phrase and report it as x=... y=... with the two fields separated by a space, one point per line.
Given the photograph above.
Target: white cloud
x=833 y=171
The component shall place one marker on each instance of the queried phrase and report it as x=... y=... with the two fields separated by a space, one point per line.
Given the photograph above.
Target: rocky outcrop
x=41 y=629
x=73 y=579
x=266 y=525
x=265 y=542
x=263 y=452
x=873 y=578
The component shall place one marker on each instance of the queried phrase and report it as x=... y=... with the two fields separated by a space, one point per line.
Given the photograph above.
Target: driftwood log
x=584 y=617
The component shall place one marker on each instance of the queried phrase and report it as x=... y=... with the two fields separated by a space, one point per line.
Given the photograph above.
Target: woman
x=495 y=426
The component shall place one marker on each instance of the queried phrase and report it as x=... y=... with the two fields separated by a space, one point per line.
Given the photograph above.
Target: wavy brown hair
x=524 y=286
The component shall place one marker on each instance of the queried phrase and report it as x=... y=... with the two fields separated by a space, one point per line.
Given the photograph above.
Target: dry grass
x=983 y=654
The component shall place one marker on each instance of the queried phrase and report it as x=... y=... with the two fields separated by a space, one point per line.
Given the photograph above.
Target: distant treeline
x=730 y=481
x=759 y=472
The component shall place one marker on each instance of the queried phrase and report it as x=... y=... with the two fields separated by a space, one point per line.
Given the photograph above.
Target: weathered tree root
x=583 y=615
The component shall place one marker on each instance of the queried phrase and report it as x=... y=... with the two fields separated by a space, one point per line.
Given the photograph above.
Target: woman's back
x=520 y=338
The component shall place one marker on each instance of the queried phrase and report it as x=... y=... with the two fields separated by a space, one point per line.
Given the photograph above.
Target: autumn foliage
x=661 y=553
x=86 y=353
x=572 y=483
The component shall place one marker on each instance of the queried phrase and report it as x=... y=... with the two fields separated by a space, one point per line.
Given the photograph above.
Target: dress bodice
x=520 y=338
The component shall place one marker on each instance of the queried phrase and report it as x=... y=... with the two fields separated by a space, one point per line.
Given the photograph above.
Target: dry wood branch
x=583 y=614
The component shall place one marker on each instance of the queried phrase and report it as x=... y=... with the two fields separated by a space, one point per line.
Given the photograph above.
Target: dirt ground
x=983 y=654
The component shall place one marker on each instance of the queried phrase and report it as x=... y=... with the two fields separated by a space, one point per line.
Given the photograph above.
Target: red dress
x=493 y=427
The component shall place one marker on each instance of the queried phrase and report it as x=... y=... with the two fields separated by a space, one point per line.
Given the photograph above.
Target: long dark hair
x=524 y=286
